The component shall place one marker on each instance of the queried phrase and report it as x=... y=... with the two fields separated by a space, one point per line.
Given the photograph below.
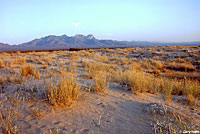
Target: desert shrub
x=100 y=84
x=63 y=92
x=28 y=70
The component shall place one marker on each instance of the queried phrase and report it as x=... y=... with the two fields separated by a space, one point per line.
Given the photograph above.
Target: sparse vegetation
x=53 y=80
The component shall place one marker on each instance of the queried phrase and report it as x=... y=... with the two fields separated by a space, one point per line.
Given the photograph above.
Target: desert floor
x=138 y=90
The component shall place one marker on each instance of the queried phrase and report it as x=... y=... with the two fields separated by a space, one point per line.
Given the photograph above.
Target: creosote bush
x=63 y=92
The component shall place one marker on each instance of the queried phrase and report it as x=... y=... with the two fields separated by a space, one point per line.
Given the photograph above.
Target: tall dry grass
x=63 y=92
x=28 y=70
x=100 y=84
x=139 y=81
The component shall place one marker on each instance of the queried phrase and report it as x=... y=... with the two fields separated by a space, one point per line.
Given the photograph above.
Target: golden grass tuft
x=62 y=93
x=100 y=83
x=28 y=70
x=191 y=89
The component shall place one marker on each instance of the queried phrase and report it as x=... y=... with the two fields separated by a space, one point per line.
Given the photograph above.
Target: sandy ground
x=118 y=112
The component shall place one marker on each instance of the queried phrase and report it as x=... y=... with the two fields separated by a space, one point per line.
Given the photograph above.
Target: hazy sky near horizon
x=143 y=20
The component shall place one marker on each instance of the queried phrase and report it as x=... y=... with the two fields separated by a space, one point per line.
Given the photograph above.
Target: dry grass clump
x=138 y=81
x=1 y=64
x=20 y=60
x=180 y=66
x=28 y=70
x=63 y=92
x=100 y=84
x=191 y=89
x=157 y=64
x=101 y=57
x=93 y=67
x=151 y=64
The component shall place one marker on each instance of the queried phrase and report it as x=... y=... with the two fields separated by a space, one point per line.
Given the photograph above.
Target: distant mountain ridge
x=73 y=41
x=80 y=41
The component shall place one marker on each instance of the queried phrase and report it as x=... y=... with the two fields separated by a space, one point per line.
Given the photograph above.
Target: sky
x=140 y=20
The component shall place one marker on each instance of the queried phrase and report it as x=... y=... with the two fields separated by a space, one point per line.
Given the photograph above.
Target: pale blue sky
x=144 y=20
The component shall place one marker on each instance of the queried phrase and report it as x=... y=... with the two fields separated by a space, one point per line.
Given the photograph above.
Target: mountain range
x=80 y=41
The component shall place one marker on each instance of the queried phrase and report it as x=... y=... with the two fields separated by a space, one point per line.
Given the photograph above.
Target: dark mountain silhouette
x=65 y=41
x=80 y=41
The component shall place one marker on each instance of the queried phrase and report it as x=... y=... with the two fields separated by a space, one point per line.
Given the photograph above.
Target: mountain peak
x=79 y=36
x=90 y=36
